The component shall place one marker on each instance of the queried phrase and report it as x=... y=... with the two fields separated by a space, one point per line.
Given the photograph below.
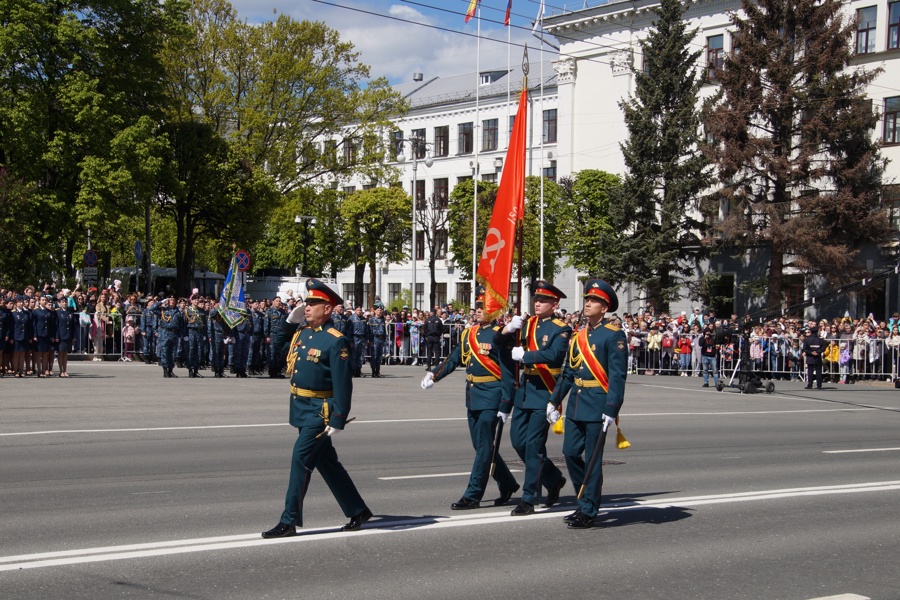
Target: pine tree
x=793 y=142
x=659 y=205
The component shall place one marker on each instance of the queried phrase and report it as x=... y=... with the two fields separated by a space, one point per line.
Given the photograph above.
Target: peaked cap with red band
x=542 y=287
x=600 y=289
x=316 y=290
x=480 y=291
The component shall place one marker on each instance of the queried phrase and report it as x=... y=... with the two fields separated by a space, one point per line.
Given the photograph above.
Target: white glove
x=185 y=338
x=515 y=324
x=607 y=421
x=503 y=416
x=296 y=315
x=552 y=413
x=330 y=431
x=518 y=353
x=428 y=381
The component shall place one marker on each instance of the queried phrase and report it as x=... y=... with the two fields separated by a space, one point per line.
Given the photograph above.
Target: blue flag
x=232 y=305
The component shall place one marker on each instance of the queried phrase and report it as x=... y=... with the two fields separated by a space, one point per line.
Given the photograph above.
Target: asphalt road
x=118 y=483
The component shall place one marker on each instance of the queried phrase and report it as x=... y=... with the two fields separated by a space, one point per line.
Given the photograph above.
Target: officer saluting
x=595 y=374
x=544 y=341
x=377 y=337
x=489 y=381
x=318 y=361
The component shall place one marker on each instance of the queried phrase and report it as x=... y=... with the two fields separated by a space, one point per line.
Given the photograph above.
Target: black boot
x=165 y=372
x=171 y=373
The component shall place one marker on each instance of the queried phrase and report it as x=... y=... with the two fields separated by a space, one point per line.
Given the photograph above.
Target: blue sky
x=397 y=49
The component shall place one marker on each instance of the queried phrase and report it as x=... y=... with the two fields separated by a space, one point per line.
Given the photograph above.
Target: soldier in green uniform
x=595 y=374
x=489 y=382
x=318 y=361
x=544 y=342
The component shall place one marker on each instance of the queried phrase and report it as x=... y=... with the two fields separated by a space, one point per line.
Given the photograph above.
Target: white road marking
x=860 y=450
x=721 y=413
x=842 y=597
x=481 y=517
x=435 y=475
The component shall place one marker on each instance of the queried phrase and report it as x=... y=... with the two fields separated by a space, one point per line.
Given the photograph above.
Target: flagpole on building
x=475 y=129
x=541 y=17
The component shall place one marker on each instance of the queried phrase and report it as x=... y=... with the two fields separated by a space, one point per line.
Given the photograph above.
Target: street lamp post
x=414 y=145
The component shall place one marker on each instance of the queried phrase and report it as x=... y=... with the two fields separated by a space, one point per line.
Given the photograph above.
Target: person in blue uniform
x=196 y=331
x=357 y=328
x=274 y=321
x=171 y=327
x=66 y=323
x=595 y=374
x=217 y=331
x=5 y=310
x=318 y=364
x=377 y=338
x=489 y=380
x=258 y=347
x=543 y=342
x=22 y=336
x=44 y=326
x=243 y=338
x=149 y=318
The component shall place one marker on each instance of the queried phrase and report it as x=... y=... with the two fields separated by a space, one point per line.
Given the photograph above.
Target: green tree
x=658 y=208
x=279 y=89
x=381 y=219
x=209 y=190
x=800 y=171
x=461 y=212
x=593 y=241
x=73 y=77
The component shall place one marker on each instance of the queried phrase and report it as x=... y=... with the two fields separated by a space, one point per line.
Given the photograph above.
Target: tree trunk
x=180 y=219
x=776 y=282
x=431 y=271
x=359 y=269
x=373 y=278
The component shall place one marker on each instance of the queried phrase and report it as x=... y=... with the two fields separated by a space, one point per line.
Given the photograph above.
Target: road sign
x=90 y=271
x=138 y=251
x=243 y=260
x=90 y=258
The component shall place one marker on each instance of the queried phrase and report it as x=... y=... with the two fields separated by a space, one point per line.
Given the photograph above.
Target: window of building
x=369 y=186
x=465 y=138
x=462 y=178
x=512 y=122
x=865 y=29
x=550 y=126
x=490 y=130
x=350 y=151
x=891 y=197
x=420 y=295
x=349 y=189
x=330 y=152
x=365 y=298
x=550 y=172
x=892 y=120
x=893 y=41
x=441 y=192
x=419 y=134
x=348 y=294
x=442 y=240
x=420 y=194
x=440 y=294
x=794 y=288
x=421 y=244
x=492 y=177
x=464 y=291
x=393 y=293
x=396 y=144
x=442 y=140
x=715 y=56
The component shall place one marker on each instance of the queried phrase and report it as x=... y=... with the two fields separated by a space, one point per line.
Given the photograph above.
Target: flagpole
x=475 y=129
x=542 y=141
x=508 y=82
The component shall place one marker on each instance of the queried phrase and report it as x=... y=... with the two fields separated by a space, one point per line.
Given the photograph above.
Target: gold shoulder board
x=335 y=332
x=559 y=322
x=612 y=327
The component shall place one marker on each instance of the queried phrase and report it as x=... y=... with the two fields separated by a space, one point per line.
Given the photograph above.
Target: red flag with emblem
x=495 y=265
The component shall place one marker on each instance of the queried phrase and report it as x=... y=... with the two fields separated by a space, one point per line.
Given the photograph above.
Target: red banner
x=495 y=265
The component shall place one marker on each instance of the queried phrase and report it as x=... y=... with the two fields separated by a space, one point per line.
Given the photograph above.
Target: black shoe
x=705 y=385
x=581 y=521
x=505 y=496
x=357 y=521
x=465 y=504
x=553 y=494
x=524 y=508
x=809 y=387
x=191 y=374
x=279 y=531
x=171 y=374
x=572 y=516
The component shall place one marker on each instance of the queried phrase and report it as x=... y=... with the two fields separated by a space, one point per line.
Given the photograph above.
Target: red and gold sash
x=542 y=369
x=489 y=364
x=590 y=360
